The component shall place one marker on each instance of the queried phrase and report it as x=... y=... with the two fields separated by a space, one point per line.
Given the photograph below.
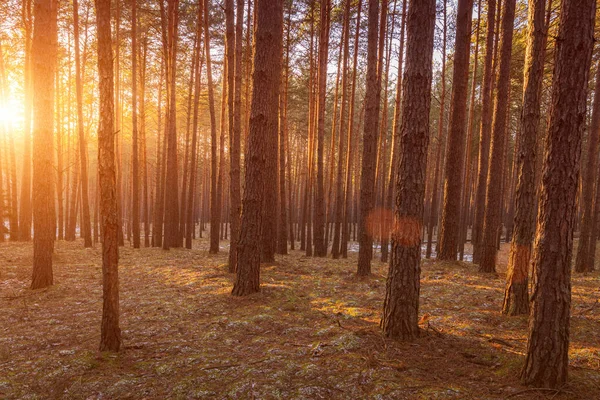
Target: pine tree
x=547 y=357
x=401 y=305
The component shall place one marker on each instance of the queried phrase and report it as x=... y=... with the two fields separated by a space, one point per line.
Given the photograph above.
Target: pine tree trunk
x=171 y=236
x=215 y=207
x=516 y=298
x=266 y=77
x=587 y=194
x=493 y=208
x=453 y=173
x=24 y=217
x=401 y=305
x=44 y=49
x=86 y=225
x=110 y=336
x=433 y=212
x=235 y=87
x=135 y=198
x=547 y=357
x=369 y=160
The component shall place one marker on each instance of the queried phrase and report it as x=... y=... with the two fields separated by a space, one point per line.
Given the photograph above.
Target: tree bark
x=266 y=77
x=547 y=357
x=484 y=132
x=401 y=305
x=453 y=174
x=369 y=159
x=110 y=335
x=44 y=50
x=215 y=207
x=135 y=209
x=516 y=298
x=492 y=221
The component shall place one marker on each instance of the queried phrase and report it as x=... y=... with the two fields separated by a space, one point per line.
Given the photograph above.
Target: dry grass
x=311 y=333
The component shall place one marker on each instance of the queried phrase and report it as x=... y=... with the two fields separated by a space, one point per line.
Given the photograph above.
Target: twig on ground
x=555 y=391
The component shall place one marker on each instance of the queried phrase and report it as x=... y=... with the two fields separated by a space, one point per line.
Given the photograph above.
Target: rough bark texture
x=516 y=299
x=110 y=336
x=235 y=109
x=369 y=159
x=171 y=232
x=547 y=357
x=401 y=306
x=582 y=261
x=339 y=192
x=348 y=188
x=484 y=131
x=492 y=221
x=319 y=225
x=44 y=54
x=215 y=207
x=263 y=121
x=453 y=173
x=433 y=211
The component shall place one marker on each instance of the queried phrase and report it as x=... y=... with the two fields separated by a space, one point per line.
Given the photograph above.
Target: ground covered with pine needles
x=312 y=333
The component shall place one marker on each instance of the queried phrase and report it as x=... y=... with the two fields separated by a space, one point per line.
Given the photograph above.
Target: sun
x=10 y=114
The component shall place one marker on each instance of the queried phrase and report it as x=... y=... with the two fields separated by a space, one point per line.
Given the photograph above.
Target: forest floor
x=312 y=333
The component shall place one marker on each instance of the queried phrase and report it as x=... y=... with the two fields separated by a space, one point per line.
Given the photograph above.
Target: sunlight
x=9 y=115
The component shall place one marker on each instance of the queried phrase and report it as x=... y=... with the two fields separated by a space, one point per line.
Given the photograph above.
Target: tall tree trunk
x=24 y=217
x=547 y=357
x=215 y=207
x=44 y=50
x=369 y=159
x=319 y=224
x=268 y=43
x=433 y=211
x=235 y=133
x=484 y=132
x=587 y=194
x=455 y=152
x=401 y=305
x=86 y=225
x=110 y=335
x=145 y=204
x=395 y=148
x=171 y=236
x=516 y=298
x=282 y=226
x=135 y=198
x=339 y=192
x=464 y=214
x=492 y=221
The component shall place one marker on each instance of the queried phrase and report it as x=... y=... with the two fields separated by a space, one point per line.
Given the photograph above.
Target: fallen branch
x=555 y=391
x=225 y=366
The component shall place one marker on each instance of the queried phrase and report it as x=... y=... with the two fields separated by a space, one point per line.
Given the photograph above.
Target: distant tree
x=582 y=260
x=401 y=305
x=171 y=196
x=268 y=43
x=86 y=225
x=493 y=209
x=453 y=174
x=369 y=159
x=110 y=335
x=44 y=49
x=24 y=217
x=484 y=132
x=547 y=357
x=439 y=152
x=135 y=163
x=215 y=207
x=516 y=297
x=319 y=224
